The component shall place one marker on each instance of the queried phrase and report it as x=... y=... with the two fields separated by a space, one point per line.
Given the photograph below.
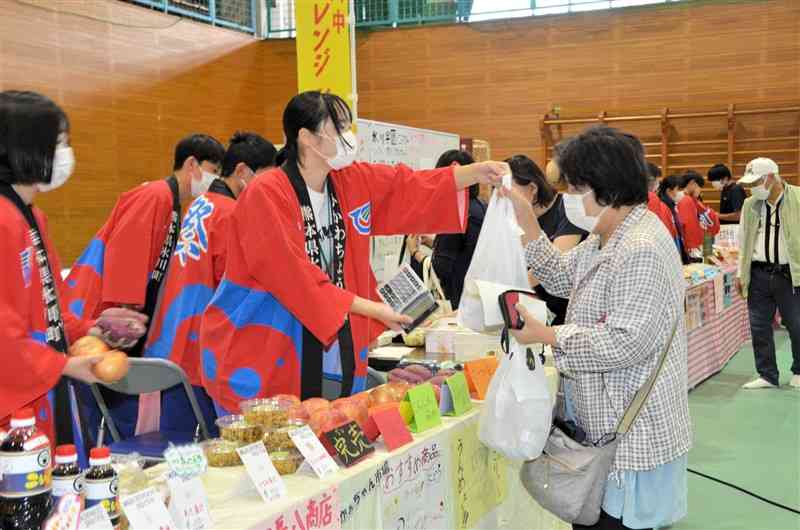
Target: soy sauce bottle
x=67 y=476
x=25 y=501
x=101 y=483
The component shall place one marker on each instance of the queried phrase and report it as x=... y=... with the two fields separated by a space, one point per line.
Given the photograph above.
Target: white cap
x=757 y=168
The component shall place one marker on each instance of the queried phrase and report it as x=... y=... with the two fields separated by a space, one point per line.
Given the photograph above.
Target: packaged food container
x=286 y=462
x=268 y=413
x=278 y=439
x=237 y=429
x=221 y=453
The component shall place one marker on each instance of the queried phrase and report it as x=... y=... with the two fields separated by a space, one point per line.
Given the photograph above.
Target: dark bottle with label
x=67 y=476
x=25 y=500
x=101 y=484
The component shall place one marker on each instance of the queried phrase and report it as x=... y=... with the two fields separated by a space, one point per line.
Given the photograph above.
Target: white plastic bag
x=499 y=258
x=516 y=416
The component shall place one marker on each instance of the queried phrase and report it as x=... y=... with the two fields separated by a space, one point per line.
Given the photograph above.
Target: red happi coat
x=252 y=331
x=31 y=368
x=657 y=206
x=116 y=266
x=195 y=271
x=689 y=210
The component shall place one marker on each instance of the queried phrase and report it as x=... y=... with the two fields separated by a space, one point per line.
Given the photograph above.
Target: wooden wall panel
x=132 y=92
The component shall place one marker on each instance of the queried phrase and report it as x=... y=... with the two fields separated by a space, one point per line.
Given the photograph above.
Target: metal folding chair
x=145 y=376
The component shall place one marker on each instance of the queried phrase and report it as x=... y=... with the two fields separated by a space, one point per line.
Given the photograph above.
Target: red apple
x=286 y=400
x=352 y=410
x=362 y=398
x=380 y=395
x=398 y=389
x=313 y=405
x=298 y=413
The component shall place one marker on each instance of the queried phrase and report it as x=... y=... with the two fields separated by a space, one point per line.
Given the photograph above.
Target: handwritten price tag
x=479 y=374
x=459 y=402
x=315 y=454
x=393 y=428
x=146 y=511
x=350 y=443
x=186 y=461
x=95 y=518
x=426 y=409
x=189 y=504
x=262 y=472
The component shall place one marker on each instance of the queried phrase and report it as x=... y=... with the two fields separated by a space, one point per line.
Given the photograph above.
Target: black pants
x=606 y=522
x=770 y=290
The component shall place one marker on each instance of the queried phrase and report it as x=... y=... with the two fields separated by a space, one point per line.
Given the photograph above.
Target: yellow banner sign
x=323 y=47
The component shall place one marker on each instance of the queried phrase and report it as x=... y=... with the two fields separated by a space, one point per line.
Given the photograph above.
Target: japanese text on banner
x=323 y=47
x=318 y=512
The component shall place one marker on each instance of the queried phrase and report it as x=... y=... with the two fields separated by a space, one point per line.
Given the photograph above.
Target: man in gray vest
x=769 y=266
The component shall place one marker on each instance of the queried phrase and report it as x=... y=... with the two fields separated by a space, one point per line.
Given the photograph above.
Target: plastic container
x=278 y=439
x=268 y=413
x=67 y=476
x=286 y=462
x=101 y=484
x=25 y=500
x=221 y=453
x=235 y=429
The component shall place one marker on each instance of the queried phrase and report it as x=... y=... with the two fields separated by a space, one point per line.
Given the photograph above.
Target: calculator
x=407 y=295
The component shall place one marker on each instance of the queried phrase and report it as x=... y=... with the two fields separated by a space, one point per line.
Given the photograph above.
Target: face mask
x=201 y=186
x=717 y=184
x=63 y=165
x=345 y=154
x=576 y=212
x=760 y=192
x=244 y=180
x=679 y=197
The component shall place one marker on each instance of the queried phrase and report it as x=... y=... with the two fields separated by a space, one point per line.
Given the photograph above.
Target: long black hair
x=30 y=124
x=463 y=158
x=525 y=171
x=309 y=110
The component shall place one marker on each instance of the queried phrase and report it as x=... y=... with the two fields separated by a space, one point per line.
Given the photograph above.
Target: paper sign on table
x=145 y=511
x=425 y=408
x=262 y=472
x=479 y=374
x=66 y=514
x=95 y=518
x=350 y=443
x=189 y=504
x=186 y=461
x=393 y=428
x=455 y=396
x=312 y=450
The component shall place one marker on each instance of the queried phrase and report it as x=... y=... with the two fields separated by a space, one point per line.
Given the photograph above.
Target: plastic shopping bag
x=516 y=416
x=498 y=259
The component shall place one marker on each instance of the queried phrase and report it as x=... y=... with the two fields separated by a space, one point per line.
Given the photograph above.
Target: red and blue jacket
x=195 y=271
x=251 y=336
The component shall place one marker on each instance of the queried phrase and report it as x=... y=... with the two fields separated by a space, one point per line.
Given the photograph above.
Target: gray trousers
x=771 y=290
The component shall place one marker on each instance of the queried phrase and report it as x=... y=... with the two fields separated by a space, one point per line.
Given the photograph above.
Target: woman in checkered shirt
x=626 y=290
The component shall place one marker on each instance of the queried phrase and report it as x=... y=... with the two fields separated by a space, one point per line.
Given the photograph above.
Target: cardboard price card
x=425 y=408
x=350 y=443
x=479 y=374
x=312 y=450
x=189 y=504
x=262 y=472
x=393 y=428
x=455 y=396
x=146 y=511
x=95 y=518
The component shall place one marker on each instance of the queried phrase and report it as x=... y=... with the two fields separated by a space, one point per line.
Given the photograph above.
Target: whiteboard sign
x=392 y=144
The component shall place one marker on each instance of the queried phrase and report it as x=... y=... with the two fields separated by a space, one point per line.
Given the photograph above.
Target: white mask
x=201 y=186
x=63 y=165
x=716 y=184
x=345 y=154
x=760 y=192
x=679 y=197
x=576 y=212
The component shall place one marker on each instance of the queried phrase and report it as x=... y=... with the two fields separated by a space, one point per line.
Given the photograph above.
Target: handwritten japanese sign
x=95 y=518
x=145 y=510
x=323 y=47
x=262 y=472
x=478 y=475
x=189 y=504
x=318 y=512
x=479 y=374
x=426 y=409
x=359 y=499
x=350 y=443
x=414 y=489
x=455 y=396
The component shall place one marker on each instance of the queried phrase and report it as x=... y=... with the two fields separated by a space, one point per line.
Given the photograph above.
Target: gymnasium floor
x=750 y=438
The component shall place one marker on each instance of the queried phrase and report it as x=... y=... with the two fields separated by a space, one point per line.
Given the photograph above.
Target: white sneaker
x=795 y=382
x=762 y=383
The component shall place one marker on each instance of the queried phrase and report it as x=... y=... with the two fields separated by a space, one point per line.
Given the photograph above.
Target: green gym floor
x=750 y=438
